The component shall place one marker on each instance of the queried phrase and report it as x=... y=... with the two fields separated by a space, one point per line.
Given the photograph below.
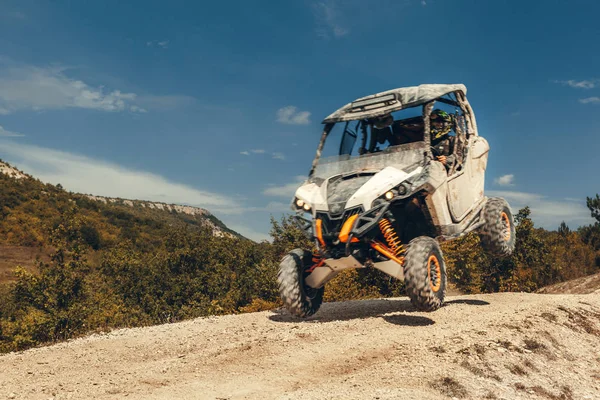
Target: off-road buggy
x=363 y=204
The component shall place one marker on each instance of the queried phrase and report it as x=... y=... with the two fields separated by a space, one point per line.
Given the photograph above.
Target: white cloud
x=24 y=87
x=423 y=3
x=585 y=84
x=593 y=100
x=505 y=180
x=253 y=151
x=290 y=115
x=48 y=88
x=137 y=109
x=328 y=18
x=278 y=156
x=7 y=133
x=82 y=174
x=286 y=190
x=158 y=43
x=545 y=212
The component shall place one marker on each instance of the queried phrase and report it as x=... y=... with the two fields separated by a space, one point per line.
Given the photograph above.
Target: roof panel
x=383 y=103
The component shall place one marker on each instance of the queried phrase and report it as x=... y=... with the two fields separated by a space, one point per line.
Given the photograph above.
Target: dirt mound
x=585 y=285
x=500 y=346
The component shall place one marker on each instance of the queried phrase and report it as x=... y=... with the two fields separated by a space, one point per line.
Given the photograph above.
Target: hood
x=342 y=192
x=340 y=189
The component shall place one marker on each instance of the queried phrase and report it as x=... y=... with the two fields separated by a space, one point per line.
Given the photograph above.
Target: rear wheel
x=300 y=299
x=497 y=235
x=425 y=274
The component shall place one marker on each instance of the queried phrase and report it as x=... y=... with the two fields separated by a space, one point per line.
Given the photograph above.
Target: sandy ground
x=500 y=346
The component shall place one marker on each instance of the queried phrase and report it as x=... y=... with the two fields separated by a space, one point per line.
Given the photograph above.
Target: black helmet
x=445 y=120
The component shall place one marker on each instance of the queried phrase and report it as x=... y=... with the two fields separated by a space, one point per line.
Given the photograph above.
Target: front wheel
x=425 y=274
x=300 y=299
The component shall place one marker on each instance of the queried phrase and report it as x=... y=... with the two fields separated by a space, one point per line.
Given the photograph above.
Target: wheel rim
x=506 y=233
x=435 y=279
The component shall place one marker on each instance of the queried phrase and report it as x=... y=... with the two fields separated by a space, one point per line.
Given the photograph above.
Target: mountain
x=30 y=209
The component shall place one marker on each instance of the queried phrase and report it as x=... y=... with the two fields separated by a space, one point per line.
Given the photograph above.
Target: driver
x=396 y=132
x=383 y=130
x=441 y=141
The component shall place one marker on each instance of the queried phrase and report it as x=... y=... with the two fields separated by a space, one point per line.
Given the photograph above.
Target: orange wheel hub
x=433 y=261
x=506 y=222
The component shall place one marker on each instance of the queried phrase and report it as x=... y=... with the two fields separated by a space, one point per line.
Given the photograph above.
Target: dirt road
x=500 y=346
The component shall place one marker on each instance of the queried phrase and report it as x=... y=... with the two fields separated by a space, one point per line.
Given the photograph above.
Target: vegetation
x=114 y=266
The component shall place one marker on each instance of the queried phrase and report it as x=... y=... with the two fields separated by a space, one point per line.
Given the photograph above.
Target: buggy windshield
x=401 y=156
x=371 y=144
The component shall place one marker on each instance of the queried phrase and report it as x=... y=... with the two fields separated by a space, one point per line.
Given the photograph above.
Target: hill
x=584 y=285
x=496 y=346
x=31 y=208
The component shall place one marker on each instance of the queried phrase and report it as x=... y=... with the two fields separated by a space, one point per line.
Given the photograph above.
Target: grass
x=450 y=387
x=566 y=393
x=516 y=369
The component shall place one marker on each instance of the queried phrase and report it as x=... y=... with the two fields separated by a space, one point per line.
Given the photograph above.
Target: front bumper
x=333 y=234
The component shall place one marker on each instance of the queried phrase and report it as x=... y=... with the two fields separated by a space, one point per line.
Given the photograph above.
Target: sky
x=219 y=104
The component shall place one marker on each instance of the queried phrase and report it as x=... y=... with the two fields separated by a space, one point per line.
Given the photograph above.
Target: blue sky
x=219 y=104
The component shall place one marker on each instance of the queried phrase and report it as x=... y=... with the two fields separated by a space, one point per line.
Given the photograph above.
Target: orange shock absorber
x=317 y=261
x=391 y=237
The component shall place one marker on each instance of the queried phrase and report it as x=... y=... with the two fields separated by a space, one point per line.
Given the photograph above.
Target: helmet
x=443 y=123
x=383 y=121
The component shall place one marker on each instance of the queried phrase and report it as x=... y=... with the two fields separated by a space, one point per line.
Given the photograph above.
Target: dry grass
x=516 y=369
x=479 y=349
x=450 y=387
x=549 y=317
x=539 y=348
x=534 y=345
x=509 y=346
x=578 y=320
x=438 y=349
x=485 y=372
x=565 y=392
x=530 y=366
x=473 y=369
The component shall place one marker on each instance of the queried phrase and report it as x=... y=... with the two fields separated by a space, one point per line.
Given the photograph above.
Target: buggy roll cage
x=459 y=101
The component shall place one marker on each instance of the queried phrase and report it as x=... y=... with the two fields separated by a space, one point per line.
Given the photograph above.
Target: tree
x=591 y=234
x=594 y=205
x=51 y=305
x=563 y=229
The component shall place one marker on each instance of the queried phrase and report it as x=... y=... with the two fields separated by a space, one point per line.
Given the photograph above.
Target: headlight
x=402 y=189
x=301 y=205
x=398 y=192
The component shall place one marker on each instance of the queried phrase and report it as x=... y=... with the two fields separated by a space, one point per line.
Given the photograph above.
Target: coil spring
x=391 y=237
